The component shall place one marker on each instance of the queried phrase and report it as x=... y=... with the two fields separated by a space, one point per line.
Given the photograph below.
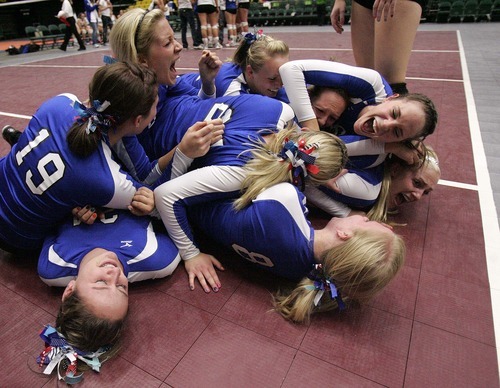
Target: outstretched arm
x=172 y=200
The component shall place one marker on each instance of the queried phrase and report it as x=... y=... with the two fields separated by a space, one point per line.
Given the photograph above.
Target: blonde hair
x=257 y=53
x=133 y=33
x=359 y=268
x=268 y=168
x=429 y=159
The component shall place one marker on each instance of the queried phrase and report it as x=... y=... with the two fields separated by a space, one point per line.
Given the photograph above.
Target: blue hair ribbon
x=322 y=284
x=58 y=350
x=94 y=116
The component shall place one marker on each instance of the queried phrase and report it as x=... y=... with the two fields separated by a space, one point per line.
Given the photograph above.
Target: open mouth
x=402 y=198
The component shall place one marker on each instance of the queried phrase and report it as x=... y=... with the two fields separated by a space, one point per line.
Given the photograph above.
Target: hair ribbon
x=57 y=350
x=322 y=284
x=93 y=116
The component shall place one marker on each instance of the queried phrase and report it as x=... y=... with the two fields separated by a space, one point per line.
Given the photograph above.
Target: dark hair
x=316 y=91
x=431 y=115
x=130 y=89
x=85 y=331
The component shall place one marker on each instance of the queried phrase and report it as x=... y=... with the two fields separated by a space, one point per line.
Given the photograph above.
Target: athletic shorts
x=206 y=8
x=231 y=11
x=244 y=5
x=369 y=3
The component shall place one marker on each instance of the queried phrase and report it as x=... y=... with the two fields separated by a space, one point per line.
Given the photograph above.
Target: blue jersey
x=144 y=253
x=231 y=4
x=242 y=124
x=230 y=81
x=364 y=87
x=41 y=180
x=273 y=232
x=220 y=172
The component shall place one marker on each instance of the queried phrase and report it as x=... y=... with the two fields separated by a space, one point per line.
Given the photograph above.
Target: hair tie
x=322 y=284
x=57 y=351
x=252 y=37
x=301 y=160
x=94 y=116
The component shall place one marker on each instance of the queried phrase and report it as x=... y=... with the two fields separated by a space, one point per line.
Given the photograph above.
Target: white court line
x=486 y=201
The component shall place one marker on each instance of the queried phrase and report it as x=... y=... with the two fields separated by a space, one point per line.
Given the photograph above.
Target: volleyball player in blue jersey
x=142 y=252
x=59 y=163
x=254 y=68
x=248 y=162
x=373 y=123
x=358 y=257
x=146 y=37
x=95 y=263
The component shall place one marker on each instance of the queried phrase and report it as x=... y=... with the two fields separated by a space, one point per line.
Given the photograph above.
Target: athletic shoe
x=97 y=45
x=217 y=46
x=10 y=135
x=199 y=47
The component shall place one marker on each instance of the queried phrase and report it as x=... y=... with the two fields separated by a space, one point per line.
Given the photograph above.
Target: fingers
x=86 y=214
x=210 y=59
x=202 y=268
x=143 y=202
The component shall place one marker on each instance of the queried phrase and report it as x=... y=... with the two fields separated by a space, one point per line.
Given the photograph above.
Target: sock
x=399 y=88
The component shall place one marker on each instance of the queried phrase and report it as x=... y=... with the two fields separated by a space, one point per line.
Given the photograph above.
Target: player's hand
x=411 y=154
x=384 y=7
x=200 y=136
x=87 y=214
x=337 y=16
x=201 y=267
x=209 y=65
x=143 y=202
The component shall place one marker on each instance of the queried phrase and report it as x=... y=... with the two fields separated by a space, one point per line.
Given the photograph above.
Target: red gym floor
x=433 y=326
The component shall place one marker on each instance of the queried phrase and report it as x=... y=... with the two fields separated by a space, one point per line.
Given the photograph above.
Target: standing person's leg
x=362 y=36
x=213 y=21
x=94 y=34
x=243 y=19
x=222 y=23
x=394 y=42
x=195 y=33
x=105 y=23
x=197 y=27
x=184 y=21
x=204 y=28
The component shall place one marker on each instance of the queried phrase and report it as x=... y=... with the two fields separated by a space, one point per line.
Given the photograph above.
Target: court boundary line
x=486 y=201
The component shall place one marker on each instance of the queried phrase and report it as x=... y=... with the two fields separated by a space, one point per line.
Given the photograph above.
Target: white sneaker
x=97 y=45
x=217 y=46
x=199 y=47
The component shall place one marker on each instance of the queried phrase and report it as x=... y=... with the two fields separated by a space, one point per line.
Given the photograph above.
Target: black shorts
x=369 y=3
x=231 y=11
x=206 y=8
x=244 y=5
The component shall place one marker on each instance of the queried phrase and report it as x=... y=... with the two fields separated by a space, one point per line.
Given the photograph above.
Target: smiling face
x=409 y=186
x=102 y=285
x=163 y=53
x=328 y=106
x=394 y=120
x=266 y=81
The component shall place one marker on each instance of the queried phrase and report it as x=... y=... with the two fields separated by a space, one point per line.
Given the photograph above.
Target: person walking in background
x=93 y=18
x=187 y=16
x=68 y=17
x=105 y=9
